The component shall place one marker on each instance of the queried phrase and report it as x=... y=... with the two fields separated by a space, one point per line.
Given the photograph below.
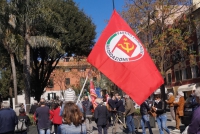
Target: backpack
x=21 y=126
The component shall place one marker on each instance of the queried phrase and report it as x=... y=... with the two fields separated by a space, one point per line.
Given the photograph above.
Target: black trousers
x=56 y=128
x=104 y=127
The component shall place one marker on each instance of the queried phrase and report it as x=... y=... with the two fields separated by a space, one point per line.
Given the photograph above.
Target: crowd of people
x=71 y=117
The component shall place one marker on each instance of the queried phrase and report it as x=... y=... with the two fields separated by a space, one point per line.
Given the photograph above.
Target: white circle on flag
x=124 y=47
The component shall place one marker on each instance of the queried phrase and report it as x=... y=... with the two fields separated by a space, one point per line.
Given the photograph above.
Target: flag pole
x=89 y=73
x=82 y=90
x=113 y=1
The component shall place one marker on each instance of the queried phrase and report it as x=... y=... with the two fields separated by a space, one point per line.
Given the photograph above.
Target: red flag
x=93 y=94
x=120 y=55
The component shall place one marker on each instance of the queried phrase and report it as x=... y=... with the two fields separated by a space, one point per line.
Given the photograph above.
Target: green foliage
x=5 y=82
x=32 y=122
x=52 y=27
x=137 y=112
x=163 y=26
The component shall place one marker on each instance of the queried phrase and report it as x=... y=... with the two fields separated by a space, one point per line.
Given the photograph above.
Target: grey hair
x=99 y=101
x=197 y=92
x=5 y=105
x=126 y=96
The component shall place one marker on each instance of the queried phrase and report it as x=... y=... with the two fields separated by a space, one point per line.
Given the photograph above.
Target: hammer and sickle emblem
x=126 y=47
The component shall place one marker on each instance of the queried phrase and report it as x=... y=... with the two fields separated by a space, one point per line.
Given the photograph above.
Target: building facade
x=71 y=72
x=185 y=75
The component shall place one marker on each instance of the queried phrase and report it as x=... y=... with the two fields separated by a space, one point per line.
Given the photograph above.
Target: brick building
x=70 y=72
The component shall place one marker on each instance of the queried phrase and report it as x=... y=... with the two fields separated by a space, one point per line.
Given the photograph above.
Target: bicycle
x=123 y=123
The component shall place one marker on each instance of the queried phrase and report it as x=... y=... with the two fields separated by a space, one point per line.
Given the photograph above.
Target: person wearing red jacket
x=56 y=118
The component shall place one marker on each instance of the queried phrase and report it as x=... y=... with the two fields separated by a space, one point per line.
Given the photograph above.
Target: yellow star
x=125 y=39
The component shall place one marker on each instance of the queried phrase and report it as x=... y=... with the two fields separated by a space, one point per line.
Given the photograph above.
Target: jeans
x=161 y=120
x=130 y=123
x=145 y=120
x=58 y=130
x=44 y=131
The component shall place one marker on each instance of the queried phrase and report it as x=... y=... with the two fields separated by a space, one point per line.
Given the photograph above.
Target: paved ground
x=171 y=126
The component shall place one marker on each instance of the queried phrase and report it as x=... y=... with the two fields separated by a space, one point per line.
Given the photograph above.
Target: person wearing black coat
x=120 y=108
x=101 y=116
x=112 y=104
x=34 y=107
x=144 y=108
x=161 y=118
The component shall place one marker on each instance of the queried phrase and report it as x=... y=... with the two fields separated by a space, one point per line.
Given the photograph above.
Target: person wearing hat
x=170 y=102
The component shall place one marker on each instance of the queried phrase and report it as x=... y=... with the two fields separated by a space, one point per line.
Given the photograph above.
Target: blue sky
x=99 y=11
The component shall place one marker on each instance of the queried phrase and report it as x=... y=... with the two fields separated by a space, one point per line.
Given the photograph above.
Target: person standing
x=56 y=118
x=33 y=107
x=161 y=118
x=101 y=116
x=144 y=108
x=72 y=119
x=87 y=107
x=129 y=113
x=69 y=95
x=120 y=108
x=112 y=105
x=43 y=118
x=25 y=121
x=170 y=102
x=179 y=110
x=194 y=126
x=8 y=119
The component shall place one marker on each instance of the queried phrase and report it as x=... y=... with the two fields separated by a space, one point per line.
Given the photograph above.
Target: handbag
x=152 y=113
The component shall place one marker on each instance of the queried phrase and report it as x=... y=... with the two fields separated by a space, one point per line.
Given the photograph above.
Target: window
x=169 y=78
x=94 y=78
x=198 y=33
x=191 y=49
x=67 y=70
x=195 y=71
x=188 y=73
x=184 y=74
x=50 y=83
x=82 y=69
x=67 y=59
x=178 y=75
x=67 y=81
x=199 y=48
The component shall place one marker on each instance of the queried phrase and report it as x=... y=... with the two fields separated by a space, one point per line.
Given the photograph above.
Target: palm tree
x=11 y=44
x=10 y=40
